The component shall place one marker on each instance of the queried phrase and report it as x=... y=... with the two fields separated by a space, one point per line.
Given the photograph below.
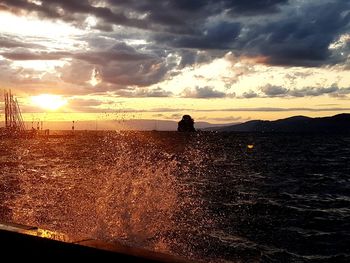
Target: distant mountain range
x=298 y=124
x=136 y=124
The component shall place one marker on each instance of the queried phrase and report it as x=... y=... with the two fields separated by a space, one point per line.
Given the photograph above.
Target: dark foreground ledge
x=19 y=242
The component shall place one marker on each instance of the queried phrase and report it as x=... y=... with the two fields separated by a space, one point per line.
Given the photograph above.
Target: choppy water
x=204 y=196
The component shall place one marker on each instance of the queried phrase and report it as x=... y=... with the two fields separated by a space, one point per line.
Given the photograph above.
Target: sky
x=221 y=61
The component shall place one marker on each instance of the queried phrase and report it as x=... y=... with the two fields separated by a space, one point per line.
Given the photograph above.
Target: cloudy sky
x=218 y=60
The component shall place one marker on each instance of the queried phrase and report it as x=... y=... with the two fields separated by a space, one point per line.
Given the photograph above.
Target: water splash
x=128 y=186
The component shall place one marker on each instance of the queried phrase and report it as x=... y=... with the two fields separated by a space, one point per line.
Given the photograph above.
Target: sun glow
x=48 y=101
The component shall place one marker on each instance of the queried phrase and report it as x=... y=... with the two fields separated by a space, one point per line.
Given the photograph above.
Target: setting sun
x=48 y=101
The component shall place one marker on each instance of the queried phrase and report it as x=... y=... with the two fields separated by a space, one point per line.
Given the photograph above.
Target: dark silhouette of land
x=297 y=124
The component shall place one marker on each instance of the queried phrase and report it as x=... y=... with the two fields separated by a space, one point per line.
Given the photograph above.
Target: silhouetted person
x=186 y=124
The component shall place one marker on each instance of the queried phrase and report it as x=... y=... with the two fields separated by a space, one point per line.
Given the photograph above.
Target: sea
x=206 y=196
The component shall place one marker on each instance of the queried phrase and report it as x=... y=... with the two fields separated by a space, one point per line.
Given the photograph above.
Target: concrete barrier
x=26 y=242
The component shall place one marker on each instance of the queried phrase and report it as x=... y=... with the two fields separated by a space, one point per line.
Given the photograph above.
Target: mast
x=10 y=110
x=13 y=116
x=19 y=116
x=6 y=109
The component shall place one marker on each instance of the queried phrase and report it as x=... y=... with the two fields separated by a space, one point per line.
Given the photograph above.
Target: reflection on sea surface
x=207 y=196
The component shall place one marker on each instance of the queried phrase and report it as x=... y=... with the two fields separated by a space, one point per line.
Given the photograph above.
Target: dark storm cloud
x=175 y=16
x=169 y=16
x=292 y=33
x=250 y=94
x=303 y=36
x=119 y=65
x=77 y=72
x=144 y=93
x=119 y=52
x=278 y=91
x=204 y=93
x=134 y=73
x=116 y=74
x=7 y=74
x=69 y=10
x=274 y=91
x=313 y=91
x=299 y=35
x=190 y=57
x=155 y=93
x=10 y=42
x=103 y=27
x=155 y=15
x=159 y=7
x=218 y=36
x=254 y=7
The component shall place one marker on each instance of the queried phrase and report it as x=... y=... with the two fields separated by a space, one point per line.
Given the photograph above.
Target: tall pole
x=19 y=117
x=9 y=109
x=13 y=115
x=6 y=108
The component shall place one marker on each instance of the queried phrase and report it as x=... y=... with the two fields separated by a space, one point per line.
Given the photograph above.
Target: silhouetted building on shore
x=186 y=124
